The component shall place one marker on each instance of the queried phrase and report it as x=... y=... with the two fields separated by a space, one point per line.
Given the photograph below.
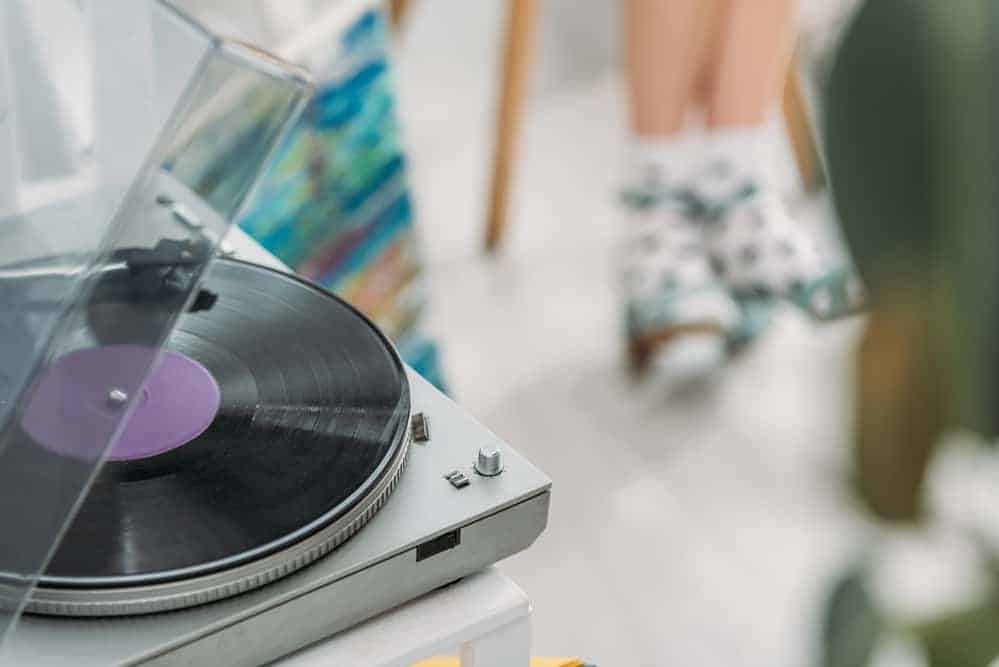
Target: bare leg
x=667 y=43
x=751 y=59
x=757 y=246
x=677 y=311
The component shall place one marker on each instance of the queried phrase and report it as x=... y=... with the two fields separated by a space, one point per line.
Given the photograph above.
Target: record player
x=203 y=458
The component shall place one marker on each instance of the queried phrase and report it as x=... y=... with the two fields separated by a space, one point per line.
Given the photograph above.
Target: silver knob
x=489 y=462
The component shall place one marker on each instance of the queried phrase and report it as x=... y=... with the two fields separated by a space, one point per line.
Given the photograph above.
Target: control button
x=457 y=479
x=489 y=462
x=421 y=427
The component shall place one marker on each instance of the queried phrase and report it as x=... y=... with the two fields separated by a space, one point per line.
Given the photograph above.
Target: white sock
x=732 y=157
x=669 y=159
x=756 y=243
x=667 y=277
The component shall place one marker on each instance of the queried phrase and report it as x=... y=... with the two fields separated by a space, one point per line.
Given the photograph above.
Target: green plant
x=911 y=149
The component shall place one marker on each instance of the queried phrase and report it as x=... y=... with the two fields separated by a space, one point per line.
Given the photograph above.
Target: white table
x=487 y=615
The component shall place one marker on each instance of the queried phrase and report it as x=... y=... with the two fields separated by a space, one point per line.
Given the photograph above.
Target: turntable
x=205 y=459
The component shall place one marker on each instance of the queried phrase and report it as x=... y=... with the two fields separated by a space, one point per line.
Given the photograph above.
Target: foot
x=678 y=314
x=761 y=252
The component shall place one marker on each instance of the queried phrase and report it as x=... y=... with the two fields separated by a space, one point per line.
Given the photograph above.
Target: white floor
x=686 y=529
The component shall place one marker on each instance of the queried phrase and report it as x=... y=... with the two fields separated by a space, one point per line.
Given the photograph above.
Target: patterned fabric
x=753 y=248
x=336 y=206
x=668 y=280
x=762 y=253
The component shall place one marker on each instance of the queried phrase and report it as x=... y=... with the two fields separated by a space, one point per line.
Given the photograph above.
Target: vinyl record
x=285 y=416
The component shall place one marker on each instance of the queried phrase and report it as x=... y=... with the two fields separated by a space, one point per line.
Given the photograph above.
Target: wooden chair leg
x=516 y=64
x=799 y=129
x=397 y=12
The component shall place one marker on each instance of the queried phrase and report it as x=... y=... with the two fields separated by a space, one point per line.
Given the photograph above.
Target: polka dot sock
x=754 y=245
x=669 y=283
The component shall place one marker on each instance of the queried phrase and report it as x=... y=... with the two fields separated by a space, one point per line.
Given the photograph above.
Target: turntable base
x=429 y=533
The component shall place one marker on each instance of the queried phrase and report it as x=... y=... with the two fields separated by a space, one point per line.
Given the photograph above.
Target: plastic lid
x=130 y=139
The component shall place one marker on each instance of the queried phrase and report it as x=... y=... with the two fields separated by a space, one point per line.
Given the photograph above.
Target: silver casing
x=372 y=572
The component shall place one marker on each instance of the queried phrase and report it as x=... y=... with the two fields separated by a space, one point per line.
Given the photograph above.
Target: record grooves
x=309 y=439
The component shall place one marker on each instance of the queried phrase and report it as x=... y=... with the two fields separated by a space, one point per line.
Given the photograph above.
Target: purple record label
x=80 y=400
